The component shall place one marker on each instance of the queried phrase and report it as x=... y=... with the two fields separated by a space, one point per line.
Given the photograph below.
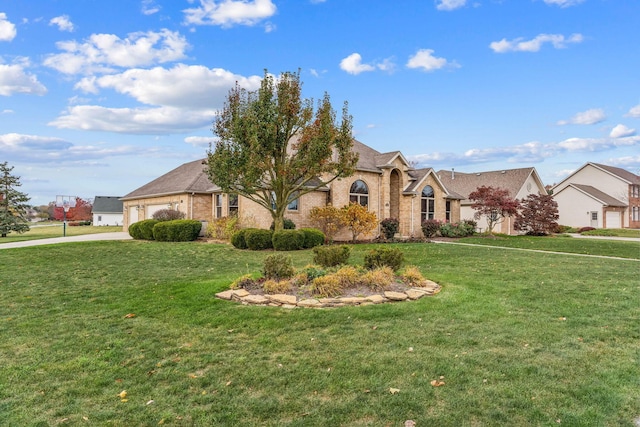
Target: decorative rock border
x=291 y=301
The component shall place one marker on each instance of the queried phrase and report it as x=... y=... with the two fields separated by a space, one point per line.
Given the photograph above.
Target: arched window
x=359 y=193
x=428 y=203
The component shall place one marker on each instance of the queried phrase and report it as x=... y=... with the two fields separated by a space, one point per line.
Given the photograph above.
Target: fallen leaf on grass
x=409 y=423
x=228 y=383
x=122 y=394
x=129 y=316
x=437 y=383
x=394 y=390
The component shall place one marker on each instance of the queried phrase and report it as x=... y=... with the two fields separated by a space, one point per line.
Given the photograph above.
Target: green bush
x=389 y=257
x=389 y=226
x=330 y=256
x=178 y=230
x=312 y=237
x=278 y=266
x=238 y=239
x=146 y=229
x=134 y=231
x=288 y=240
x=258 y=239
x=288 y=225
x=458 y=229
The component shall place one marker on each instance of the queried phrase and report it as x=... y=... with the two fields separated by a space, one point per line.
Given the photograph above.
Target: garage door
x=133 y=214
x=151 y=209
x=613 y=220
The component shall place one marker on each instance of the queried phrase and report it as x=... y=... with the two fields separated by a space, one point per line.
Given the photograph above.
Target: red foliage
x=81 y=212
x=538 y=215
x=494 y=203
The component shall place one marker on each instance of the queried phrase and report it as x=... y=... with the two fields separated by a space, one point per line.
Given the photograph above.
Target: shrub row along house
x=385 y=183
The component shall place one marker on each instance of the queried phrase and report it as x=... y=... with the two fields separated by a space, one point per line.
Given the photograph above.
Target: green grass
x=617 y=232
x=521 y=338
x=56 y=230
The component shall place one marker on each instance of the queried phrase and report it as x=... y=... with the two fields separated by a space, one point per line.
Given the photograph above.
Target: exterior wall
x=412 y=209
x=634 y=202
x=339 y=197
x=107 y=219
x=601 y=180
x=196 y=206
x=575 y=209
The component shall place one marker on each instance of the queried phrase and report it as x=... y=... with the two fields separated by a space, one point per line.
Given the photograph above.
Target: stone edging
x=291 y=301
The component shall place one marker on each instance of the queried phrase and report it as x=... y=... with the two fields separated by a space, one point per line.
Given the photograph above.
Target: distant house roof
x=620 y=173
x=107 y=204
x=596 y=194
x=419 y=175
x=464 y=184
x=187 y=178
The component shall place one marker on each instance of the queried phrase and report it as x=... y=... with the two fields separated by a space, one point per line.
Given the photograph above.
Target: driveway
x=119 y=235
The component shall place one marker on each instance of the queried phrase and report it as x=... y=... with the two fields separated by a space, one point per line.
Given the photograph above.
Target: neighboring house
x=384 y=182
x=599 y=196
x=107 y=211
x=519 y=182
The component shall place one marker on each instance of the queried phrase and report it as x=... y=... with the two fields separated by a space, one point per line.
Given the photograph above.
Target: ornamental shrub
x=381 y=257
x=330 y=256
x=430 y=228
x=242 y=282
x=288 y=240
x=288 y=225
x=146 y=228
x=238 y=239
x=349 y=276
x=458 y=229
x=378 y=279
x=312 y=237
x=389 y=226
x=258 y=239
x=278 y=266
x=167 y=215
x=313 y=271
x=412 y=276
x=134 y=231
x=583 y=229
x=222 y=228
x=276 y=286
x=178 y=230
x=326 y=286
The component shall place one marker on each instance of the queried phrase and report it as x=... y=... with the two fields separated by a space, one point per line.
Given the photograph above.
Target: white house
x=599 y=196
x=107 y=210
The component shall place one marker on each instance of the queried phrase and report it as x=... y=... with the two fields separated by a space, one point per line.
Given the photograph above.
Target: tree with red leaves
x=538 y=215
x=494 y=203
x=81 y=212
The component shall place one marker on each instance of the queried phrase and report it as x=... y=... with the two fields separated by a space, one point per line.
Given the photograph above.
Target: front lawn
x=41 y=231
x=130 y=333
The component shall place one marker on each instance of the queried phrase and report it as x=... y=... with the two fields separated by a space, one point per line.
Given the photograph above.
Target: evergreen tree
x=13 y=203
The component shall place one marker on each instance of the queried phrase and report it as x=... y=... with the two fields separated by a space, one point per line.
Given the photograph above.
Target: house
x=599 y=196
x=386 y=183
x=107 y=210
x=518 y=182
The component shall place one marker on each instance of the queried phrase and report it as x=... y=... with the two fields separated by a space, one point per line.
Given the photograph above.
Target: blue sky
x=101 y=97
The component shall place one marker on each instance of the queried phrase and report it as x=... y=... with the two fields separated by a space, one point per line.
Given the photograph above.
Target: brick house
x=599 y=196
x=384 y=182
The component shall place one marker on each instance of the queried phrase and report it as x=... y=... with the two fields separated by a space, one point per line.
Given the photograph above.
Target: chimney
x=453 y=175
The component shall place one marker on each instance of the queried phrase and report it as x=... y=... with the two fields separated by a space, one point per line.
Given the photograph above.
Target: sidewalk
x=120 y=235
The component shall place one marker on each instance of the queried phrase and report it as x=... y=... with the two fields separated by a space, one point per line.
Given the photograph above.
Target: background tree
x=538 y=215
x=13 y=203
x=328 y=219
x=274 y=146
x=358 y=219
x=494 y=203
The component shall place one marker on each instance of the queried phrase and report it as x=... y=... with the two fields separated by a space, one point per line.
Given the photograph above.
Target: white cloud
x=149 y=7
x=352 y=64
x=450 y=4
x=181 y=99
x=63 y=23
x=589 y=117
x=558 y=41
x=621 y=131
x=14 y=79
x=626 y=162
x=7 y=111
x=634 y=112
x=227 y=13
x=563 y=3
x=424 y=60
x=102 y=52
x=7 y=29
x=200 y=141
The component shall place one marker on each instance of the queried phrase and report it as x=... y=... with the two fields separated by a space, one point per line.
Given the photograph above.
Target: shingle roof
x=465 y=183
x=187 y=178
x=597 y=194
x=107 y=204
x=621 y=173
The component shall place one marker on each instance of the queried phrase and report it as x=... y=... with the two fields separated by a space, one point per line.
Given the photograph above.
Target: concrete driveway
x=119 y=235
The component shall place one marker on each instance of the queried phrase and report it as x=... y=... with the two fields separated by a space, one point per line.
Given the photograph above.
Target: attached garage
x=613 y=219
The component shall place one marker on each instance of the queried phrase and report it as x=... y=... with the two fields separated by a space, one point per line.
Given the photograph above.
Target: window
x=428 y=204
x=99 y=218
x=359 y=193
x=447 y=213
x=233 y=205
x=594 y=216
x=635 y=191
x=636 y=213
x=293 y=204
x=219 y=205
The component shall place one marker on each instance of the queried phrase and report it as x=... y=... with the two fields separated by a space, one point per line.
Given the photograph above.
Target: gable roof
x=187 y=178
x=371 y=160
x=419 y=175
x=106 y=204
x=623 y=174
x=464 y=184
x=596 y=194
